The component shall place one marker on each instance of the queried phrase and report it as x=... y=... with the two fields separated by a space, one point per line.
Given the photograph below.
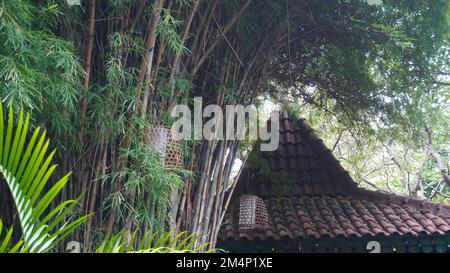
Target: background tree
x=395 y=157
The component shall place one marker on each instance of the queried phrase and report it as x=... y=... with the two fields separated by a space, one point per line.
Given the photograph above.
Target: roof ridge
x=416 y=202
x=322 y=148
x=324 y=172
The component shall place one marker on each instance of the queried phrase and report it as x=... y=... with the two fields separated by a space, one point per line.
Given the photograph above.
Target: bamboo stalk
x=93 y=197
x=176 y=61
x=227 y=28
x=88 y=66
x=213 y=195
x=151 y=40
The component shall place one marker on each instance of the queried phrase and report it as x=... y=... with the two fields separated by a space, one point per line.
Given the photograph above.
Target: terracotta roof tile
x=323 y=201
x=327 y=216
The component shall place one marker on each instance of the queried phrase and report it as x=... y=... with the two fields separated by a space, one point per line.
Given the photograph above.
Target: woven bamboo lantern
x=252 y=213
x=165 y=141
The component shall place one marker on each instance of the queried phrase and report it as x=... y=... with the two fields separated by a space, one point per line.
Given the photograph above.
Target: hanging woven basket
x=165 y=141
x=252 y=213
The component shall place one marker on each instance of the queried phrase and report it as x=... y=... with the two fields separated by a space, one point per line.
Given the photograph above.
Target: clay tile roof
x=315 y=197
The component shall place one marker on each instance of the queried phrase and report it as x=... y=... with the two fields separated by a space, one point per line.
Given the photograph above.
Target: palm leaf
x=6 y=242
x=27 y=172
x=151 y=242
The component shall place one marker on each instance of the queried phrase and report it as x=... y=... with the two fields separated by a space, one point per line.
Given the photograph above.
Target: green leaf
x=27 y=174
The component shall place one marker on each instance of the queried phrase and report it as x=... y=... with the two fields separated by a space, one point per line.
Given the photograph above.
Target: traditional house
x=300 y=199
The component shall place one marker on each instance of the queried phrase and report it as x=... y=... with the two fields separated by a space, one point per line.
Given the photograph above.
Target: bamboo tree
x=141 y=58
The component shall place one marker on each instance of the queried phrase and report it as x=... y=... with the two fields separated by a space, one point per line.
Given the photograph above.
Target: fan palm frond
x=26 y=171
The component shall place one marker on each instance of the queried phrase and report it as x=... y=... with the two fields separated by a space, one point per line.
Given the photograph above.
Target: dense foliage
x=95 y=74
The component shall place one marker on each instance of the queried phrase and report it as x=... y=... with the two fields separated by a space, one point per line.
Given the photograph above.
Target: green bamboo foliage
x=152 y=242
x=26 y=169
